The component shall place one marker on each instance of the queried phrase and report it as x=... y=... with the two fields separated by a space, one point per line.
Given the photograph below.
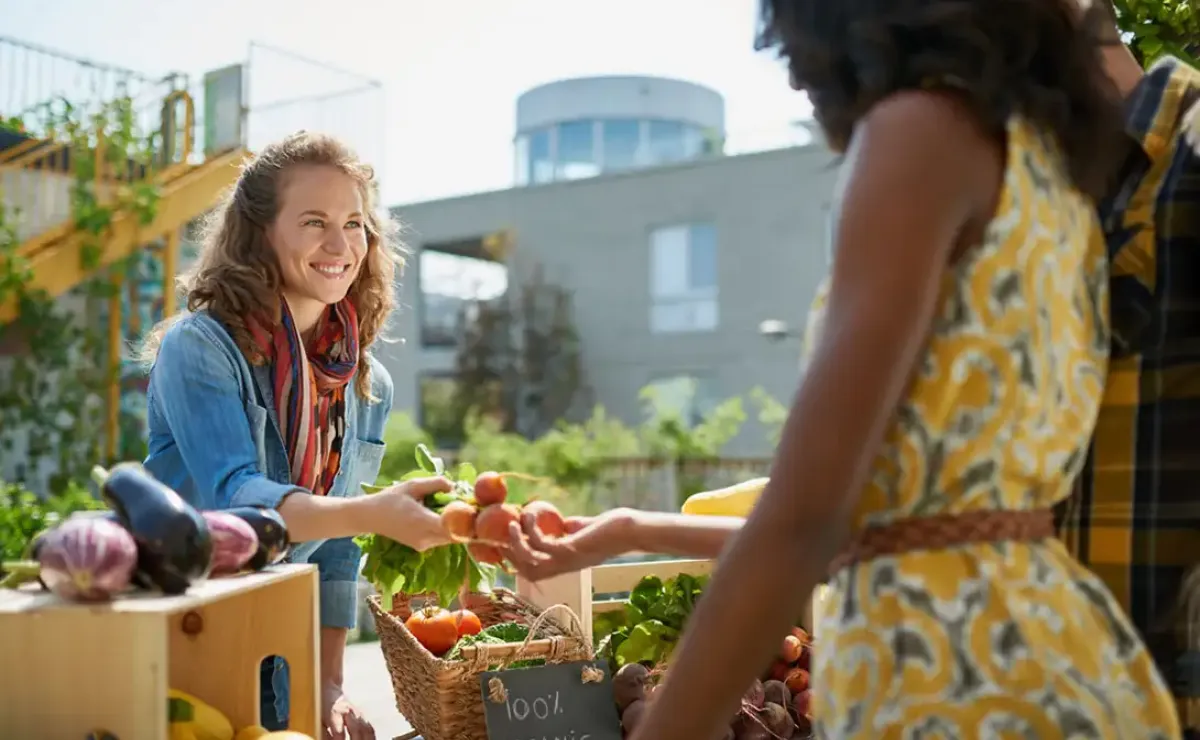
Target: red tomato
x=467 y=622
x=435 y=628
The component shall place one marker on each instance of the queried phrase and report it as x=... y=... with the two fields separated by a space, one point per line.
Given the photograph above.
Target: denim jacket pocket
x=361 y=466
x=259 y=418
x=367 y=461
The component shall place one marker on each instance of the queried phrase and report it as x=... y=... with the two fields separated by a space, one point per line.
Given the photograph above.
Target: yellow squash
x=178 y=731
x=286 y=735
x=201 y=721
x=252 y=732
x=735 y=500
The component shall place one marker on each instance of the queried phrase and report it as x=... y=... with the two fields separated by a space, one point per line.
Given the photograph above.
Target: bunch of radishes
x=775 y=708
x=483 y=521
x=787 y=685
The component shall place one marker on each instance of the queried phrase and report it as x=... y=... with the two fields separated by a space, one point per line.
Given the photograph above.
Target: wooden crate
x=68 y=669
x=588 y=592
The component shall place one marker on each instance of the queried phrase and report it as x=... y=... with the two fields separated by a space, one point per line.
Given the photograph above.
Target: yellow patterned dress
x=1011 y=640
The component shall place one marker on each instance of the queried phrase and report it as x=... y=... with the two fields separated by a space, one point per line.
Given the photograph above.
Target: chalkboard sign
x=566 y=701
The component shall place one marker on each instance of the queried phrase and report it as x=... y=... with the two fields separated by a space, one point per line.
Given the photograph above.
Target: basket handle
x=507 y=655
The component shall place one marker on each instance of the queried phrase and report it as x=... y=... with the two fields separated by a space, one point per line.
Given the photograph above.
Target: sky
x=441 y=121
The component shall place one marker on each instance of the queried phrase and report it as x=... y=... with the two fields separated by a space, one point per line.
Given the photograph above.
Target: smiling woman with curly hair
x=266 y=393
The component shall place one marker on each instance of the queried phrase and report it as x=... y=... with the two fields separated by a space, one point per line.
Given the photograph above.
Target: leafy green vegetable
x=497 y=634
x=393 y=567
x=649 y=642
x=428 y=463
x=654 y=619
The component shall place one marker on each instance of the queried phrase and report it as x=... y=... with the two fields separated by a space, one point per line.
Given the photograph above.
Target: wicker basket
x=441 y=698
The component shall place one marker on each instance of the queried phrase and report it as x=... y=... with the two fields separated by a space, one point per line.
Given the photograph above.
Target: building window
x=683 y=279
x=688 y=396
x=622 y=144
x=577 y=150
x=541 y=160
x=572 y=150
x=450 y=284
x=521 y=149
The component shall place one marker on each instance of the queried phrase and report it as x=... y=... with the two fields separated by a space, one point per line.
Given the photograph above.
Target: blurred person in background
x=1135 y=518
x=266 y=394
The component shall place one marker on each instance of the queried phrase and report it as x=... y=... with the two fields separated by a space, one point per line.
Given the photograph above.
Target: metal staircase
x=99 y=177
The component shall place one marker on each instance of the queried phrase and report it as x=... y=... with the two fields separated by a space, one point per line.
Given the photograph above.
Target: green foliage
x=24 y=514
x=667 y=434
x=1155 y=28
x=771 y=414
x=51 y=393
x=498 y=634
x=566 y=465
x=653 y=619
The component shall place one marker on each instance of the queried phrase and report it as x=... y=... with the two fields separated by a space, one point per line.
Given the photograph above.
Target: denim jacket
x=214 y=438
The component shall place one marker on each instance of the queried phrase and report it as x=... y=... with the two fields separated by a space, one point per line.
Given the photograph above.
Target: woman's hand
x=341 y=719
x=398 y=512
x=589 y=541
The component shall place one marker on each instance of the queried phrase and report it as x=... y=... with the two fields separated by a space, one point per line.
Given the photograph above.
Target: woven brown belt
x=943 y=531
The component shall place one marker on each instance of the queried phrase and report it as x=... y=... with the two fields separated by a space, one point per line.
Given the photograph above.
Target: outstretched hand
x=588 y=542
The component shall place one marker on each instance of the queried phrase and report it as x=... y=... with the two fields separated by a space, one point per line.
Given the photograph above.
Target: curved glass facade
x=572 y=150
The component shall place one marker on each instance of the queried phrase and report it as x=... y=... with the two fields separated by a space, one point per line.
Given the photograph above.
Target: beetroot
x=629 y=684
x=777 y=692
x=632 y=716
x=755 y=696
x=777 y=720
x=87 y=559
x=234 y=542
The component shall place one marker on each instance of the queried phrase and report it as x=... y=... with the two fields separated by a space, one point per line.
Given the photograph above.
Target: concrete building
x=674 y=251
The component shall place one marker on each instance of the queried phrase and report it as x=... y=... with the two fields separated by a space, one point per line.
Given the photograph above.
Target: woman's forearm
x=311 y=517
x=333 y=655
x=681 y=534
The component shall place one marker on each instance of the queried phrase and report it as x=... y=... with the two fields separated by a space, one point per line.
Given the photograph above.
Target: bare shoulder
x=934 y=119
x=937 y=134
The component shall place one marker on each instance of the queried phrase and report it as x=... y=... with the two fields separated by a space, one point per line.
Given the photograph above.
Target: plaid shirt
x=1135 y=520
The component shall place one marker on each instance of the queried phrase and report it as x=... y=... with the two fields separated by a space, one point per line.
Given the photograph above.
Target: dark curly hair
x=1037 y=58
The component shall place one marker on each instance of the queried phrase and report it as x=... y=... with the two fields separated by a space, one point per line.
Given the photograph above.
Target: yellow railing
x=37 y=180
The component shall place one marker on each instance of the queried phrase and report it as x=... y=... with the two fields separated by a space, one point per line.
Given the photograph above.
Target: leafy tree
x=518 y=358
x=1154 y=28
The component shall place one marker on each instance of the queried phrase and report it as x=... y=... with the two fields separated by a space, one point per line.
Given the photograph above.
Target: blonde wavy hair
x=237 y=274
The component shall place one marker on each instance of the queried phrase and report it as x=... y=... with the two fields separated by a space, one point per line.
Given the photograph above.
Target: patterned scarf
x=310 y=390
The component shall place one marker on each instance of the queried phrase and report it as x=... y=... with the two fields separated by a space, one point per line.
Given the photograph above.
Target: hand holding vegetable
x=398 y=512
x=537 y=553
x=473 y=516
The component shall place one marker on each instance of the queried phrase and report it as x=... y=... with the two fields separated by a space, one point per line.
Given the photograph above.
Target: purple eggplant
x=273 y=540
x=87 y=559
x=234 y=541
x=173 y=541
